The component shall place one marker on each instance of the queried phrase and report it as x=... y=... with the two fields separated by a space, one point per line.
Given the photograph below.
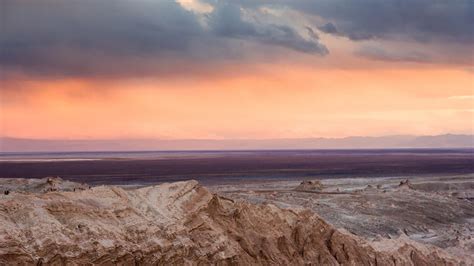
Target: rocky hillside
x=181 y=223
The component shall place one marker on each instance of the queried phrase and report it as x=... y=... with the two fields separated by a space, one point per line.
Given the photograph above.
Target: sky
x=242 y=69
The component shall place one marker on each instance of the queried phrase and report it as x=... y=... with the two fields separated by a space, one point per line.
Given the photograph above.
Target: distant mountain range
x=384 y=142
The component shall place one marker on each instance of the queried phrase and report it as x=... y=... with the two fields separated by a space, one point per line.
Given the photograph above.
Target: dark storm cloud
x=442 y=26
x=78 y=37
x=226 y=20
x=123 y=37
x=87 y=37
x=419 y=20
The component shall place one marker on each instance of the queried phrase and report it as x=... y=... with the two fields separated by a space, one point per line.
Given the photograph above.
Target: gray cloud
x=444 y=27
x=328 y=28
x=381 y=54
x=311 y=33
x=87 y=37
x=227 y=20
x=419 y=20
x=81 y=37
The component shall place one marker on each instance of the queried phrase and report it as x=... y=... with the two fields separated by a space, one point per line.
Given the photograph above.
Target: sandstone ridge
x=182 y=223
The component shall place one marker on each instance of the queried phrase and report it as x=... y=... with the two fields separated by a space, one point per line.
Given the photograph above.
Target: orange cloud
x=278 y=102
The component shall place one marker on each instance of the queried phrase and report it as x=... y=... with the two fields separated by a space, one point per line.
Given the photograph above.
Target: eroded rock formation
x=182 y=223
x=41 y=185
x=310 y=185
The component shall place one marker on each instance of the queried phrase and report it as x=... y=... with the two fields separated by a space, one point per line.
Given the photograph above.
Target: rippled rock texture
x=182 y=223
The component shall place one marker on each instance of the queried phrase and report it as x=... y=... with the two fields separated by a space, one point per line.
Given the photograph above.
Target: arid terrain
x=329 y=222
x=437 y=211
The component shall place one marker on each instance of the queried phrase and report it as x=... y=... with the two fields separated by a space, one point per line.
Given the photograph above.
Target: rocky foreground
x=430 y=210
x=180 y=223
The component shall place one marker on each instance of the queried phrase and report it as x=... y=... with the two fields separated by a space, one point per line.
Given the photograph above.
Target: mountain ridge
x=8 y=144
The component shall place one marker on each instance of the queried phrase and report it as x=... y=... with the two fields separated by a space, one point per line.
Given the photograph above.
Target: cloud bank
x=89 y=37
x=120 y=38
x=418 y=20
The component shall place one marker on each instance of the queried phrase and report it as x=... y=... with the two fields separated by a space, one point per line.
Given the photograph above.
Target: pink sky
x=244 y=87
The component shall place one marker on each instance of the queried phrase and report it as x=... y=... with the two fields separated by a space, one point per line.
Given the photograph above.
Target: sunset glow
x=244 y=88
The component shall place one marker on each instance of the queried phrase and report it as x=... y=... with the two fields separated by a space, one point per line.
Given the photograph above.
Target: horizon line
x=232 y=139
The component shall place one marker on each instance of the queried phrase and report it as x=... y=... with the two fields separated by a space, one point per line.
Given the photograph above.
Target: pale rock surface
x=41 y=185
x=182 y=223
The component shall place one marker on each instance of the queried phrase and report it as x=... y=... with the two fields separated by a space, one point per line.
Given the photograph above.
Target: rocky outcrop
x=405 y=184
x=182 y=223
x=41 y=185
x=310 y=185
